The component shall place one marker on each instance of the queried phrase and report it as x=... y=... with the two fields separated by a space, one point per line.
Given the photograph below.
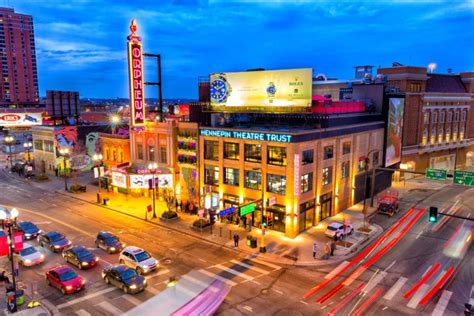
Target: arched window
x=441 y=116
x=433 y=135
x=440 y=135
x=425 y=136
x=456 y=116
x=448 y=134
x=450 y=117
x=463 y=116
x=461 y=133
x=434 y=117
x=426 y=117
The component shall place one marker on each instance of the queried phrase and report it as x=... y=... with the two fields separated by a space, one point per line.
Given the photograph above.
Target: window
x=140 y=151
x=441 y=117
x=163 y=155
x=48 y=146
x=231 y=176
x=440 y=135
x=306 y=182
x=375 y=158
x=434 y=117
x=231 y=151
x=345 y=169
x=424 y=139
x=327 y=175
x=276 y=184
x=211 y=150
x=456 y=116
x=253 y=153
x=450 y=117
x=461 y=133
x=151 y=153
x=211 y=175
x=433 y=135
x=415 y=87
x=426 y=117
x=328 y=152
x=38 y=144
x=253 y=180
x=463 y=116
x=448 y=134
x=276 y=156
x=455 y=133
x=308 y=157
x=346 y=148
x=361 y=165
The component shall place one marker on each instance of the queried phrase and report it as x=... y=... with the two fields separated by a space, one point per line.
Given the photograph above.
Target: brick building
x=438 y=130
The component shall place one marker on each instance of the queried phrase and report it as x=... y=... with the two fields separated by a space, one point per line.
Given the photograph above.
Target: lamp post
x=64 y=152
x=8 y=216
x=28 y=146
x=263 y=248
x=9 y=141
x=98 y=160
x=114 y=120
x=366 y=168
x=153 y=168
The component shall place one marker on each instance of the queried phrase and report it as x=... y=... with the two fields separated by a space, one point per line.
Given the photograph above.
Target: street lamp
x=28 y=146
x=153 y=167
x=263 y=248
x=8 y=216
x=98 y=160
x=9 y=141
x=366 y=167
x=64 y=152
x=114 y=120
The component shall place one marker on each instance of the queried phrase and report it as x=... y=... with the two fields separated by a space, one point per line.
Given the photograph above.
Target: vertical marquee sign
x=135 y=72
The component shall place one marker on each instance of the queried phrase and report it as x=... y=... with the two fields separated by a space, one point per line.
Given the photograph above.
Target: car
x=30 y=230
x=29 y=256
x=55 y=241
x=336 y=230
x=109 y=242
x=388 y=205
x=138 y=259
x=65 y=279
x=80 y=257
x=124 y=278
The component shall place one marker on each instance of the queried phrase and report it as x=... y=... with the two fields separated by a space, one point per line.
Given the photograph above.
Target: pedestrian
x=177 y=205
x=244 y=219
x=236 y=240
x=332 y=246
x=327 y=250
x=187 y=207
x=315 y=249
x=181 y=205
x=56 y=171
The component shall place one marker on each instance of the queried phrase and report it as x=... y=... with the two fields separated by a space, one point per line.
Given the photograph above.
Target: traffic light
x=433 y=214
x=212 y=217
x=264 y=221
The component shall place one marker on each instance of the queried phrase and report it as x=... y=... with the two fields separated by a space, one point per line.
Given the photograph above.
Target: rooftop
x=445 y=83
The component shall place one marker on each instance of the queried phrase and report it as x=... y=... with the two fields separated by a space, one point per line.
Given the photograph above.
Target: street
x=258 y=286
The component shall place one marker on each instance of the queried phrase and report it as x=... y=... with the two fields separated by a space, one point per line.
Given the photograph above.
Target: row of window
x=151 y=153
x=440 y=134
x=46 y=145
x=434 y=117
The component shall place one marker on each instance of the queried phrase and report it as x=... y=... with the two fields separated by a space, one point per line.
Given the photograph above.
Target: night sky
x=81 y=44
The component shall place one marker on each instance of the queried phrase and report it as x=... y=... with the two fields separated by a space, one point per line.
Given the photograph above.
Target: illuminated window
x=139 y=151
x=276 y=184
x=434 y=117
x=211 y=175
x=151 y=153
x=346 y=148
x=163 y=155
x=415 y=87
x=307 y=157
x=38 y=144
x=345 y=169
x=461 y=133
x=231 y=176
x=455 y=133
x=211 y=150
x=253 y=153
x=433 y=135
x=252 y=180
x=448 y=134
x=306 y=182
x=375 y=158
x=231 y=151
x=276 y=156
x=440 y=135
x=424 y=140
x=328 y=152
x=426 y=118
x=327 y=175
x=361 y=165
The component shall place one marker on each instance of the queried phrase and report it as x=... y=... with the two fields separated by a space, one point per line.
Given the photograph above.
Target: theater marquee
x=135 y=71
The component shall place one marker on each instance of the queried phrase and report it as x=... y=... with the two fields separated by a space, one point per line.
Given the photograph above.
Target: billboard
x=20 y=119
x=271 y=88
x=393 y=151
x=135 y=73
x=141 y=181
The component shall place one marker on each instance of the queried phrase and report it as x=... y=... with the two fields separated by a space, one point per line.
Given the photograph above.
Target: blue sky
x=81 y=44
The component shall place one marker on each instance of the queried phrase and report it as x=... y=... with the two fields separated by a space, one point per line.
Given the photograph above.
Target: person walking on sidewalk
x=315 y=249
x=236 y=240
x=332 y=246
x=327 y=250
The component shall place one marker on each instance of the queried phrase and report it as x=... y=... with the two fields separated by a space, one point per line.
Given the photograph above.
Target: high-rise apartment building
x=19 y=80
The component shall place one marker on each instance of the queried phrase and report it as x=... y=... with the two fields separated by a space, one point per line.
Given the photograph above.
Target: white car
x=29 y=256
x=336 y=230
x=138 y=259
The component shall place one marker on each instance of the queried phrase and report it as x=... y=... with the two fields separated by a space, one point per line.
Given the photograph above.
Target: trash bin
x=251 y=241
x=20 y=297
x=106 y=201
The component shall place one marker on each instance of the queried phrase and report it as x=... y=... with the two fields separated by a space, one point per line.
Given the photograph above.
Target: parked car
x=388 y=205
x=55 y=241
x=138 y=259
x=80 y=257
x=29 y=229
x=336 y=230
x=109 y=242
x=124 y=278
x=65 y=279
x=29 y=256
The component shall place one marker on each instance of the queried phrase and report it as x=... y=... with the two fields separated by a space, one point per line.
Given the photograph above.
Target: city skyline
x=87 y=53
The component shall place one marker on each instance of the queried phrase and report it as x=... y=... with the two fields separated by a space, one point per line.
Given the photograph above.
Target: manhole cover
x=264 y=291
x=166 y=261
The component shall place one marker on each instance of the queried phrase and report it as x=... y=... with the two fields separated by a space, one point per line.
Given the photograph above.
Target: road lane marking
x=336 y=270
x=131 y=299
x=395 y=288
x=153 y=290
x=249 y=267
x=87 y=297
x=428 y=269
x=278 y=291
x=194 y=280
x=234 y=272
x=418 y=235
x=413 y=303
x=110 y=308
x=246 y=307
x=160 y=272
x=82 y=312
x=304 y=302
x=442 y=303
x=215 y=276
x=202 y=260
x=256 y=282
x=391 y=265
x=376 y=280
x=471 y=298
x=265 y=263
x=385 y=308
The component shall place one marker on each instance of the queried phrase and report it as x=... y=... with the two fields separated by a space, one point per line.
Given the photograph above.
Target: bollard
x=230 y=234
x=220 y=231
x=98 y=198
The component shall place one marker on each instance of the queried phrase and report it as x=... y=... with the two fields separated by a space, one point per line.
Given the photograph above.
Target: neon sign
x=269 y=137
x=135 y=71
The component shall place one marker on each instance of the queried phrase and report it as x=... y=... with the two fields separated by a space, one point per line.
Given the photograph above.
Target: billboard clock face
x=271 y=89
x=220 y=89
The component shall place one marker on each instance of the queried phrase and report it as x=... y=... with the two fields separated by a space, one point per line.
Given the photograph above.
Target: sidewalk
x=281 y=249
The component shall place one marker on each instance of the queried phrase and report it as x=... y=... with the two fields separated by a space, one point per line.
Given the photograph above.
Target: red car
x=65 y=279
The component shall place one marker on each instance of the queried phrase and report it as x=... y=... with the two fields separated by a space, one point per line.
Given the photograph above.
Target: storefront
x=307 y=215
x=326 y=206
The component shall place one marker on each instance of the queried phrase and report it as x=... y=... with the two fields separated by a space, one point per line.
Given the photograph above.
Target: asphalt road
x=269 y=289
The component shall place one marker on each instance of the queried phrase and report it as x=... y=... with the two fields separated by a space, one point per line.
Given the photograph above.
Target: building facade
x=438 y=130
x=303 y=176
x=19 y=82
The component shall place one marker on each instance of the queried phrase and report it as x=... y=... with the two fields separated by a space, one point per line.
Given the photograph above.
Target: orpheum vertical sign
x=135 y=70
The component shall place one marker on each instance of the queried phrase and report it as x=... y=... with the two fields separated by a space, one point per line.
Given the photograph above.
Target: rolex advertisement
x=261 y=89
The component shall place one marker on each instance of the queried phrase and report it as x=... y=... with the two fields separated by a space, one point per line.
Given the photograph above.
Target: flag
x=3 y=246
x=18 y=241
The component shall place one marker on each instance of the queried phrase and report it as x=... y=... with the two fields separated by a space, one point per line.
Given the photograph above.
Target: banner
x=20 y=119
x=4 y=246
x=393 y=151
x=18 y=241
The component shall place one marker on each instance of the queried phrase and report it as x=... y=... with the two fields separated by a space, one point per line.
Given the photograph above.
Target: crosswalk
x=111 y=301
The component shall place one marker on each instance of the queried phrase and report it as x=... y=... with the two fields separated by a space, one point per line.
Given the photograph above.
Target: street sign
x=271 y=201
x=201 y=213
x=463 y=177
x=246 y=209
x=436 y=174
x=227 y=211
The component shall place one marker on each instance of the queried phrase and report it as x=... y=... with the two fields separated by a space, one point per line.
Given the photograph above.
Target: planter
x=169 y=215
x=200 y=224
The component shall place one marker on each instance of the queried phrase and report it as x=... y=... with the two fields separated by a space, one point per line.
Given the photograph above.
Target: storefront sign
x=463 y=177
x=227 y=211
x=119 y=180
x=20 y=119
x=436 y=174
x=269 y=137
x=139 y=181
x=297 y=174
x=247 y=209
x=135 y=70
x=80 y=162
x=271 y=201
